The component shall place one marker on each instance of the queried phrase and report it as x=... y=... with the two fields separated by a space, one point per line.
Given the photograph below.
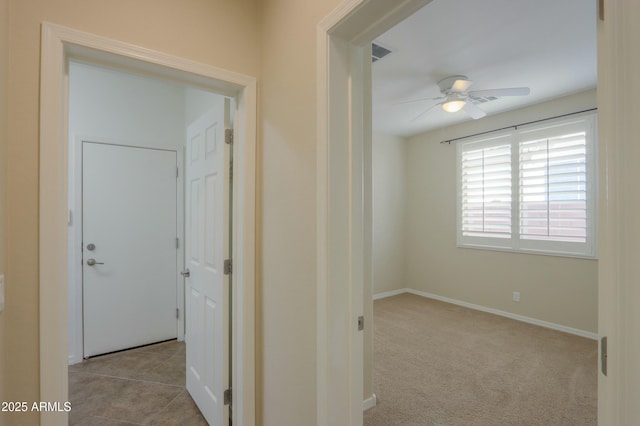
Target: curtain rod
x=515 y=126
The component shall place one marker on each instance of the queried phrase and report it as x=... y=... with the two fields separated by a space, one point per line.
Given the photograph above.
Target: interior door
x=129 y=249
x=206 y=248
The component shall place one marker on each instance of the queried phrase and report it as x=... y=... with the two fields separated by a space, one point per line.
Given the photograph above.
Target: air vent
x=378 y=52
x=481 y=100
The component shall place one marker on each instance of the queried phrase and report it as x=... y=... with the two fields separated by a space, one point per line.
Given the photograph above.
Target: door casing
x=60 y=45
x=344 y=194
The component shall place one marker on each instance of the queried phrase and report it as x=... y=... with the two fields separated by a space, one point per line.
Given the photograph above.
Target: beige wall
x=4 y=55
x=387 y=245
x=389 y=187
x=286 y=184
x=554 y=289
x=203 y=28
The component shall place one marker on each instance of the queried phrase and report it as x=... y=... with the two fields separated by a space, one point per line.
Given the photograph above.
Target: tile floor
x=142 y=386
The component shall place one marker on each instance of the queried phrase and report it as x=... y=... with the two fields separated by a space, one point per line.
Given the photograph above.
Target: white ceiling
x=546 y=45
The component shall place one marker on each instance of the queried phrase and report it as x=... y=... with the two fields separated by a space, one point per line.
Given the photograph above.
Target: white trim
x=529 y=320
x=618 y=267
x=391 y=293
x=369 y=402
x=179 y=280
x=58 y=44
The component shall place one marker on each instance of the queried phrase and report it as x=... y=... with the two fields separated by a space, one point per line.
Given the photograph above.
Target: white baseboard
x=534 y=321
x=369 y=402
x=390 y=293
x=72 y=359
x=570 y=330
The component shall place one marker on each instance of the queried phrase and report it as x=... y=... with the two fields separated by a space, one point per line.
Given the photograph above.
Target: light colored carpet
x=442 y=364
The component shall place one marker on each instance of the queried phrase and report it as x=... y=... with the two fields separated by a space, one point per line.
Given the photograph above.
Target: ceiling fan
x=456 y=97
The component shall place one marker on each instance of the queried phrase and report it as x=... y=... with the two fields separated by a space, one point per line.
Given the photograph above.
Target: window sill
x=527 y=251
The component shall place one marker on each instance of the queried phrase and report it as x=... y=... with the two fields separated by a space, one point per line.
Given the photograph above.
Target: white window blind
x=486 y=190
x=553 y=186
x=530 y=189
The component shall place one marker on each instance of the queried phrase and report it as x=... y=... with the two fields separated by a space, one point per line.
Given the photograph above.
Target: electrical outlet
x=1 y=293
x=516 y=296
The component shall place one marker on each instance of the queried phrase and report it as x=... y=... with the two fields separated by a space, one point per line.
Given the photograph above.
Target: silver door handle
x=186 y=273
x=92 y=262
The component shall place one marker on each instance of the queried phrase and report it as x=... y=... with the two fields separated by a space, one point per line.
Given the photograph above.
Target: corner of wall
x=389 y=198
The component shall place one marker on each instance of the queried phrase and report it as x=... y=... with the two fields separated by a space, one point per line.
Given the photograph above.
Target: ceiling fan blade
x=512 y=91
x=422 y=114
x=420 y=100
x=473 y=111
x=461 y=86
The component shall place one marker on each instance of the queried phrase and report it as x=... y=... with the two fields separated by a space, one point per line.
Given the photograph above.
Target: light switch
x=1 y=293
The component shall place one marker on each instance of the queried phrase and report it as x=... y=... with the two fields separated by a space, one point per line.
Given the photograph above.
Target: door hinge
x=177 y=313
x=177 y=242
x=360 y=323
x=227 y=397
x=603 y=355
x=228 y=136
x=228 y=267
x=177 y=172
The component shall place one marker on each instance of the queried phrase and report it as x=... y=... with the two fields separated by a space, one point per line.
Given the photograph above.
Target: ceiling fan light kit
x=453 y=104
x=456 y=97
x=454 y=84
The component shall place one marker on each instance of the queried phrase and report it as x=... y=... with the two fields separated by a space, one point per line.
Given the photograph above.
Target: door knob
x=92 y=262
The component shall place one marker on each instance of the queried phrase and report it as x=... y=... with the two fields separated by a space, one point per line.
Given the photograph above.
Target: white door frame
x=343 y=96
x=59 y=45
x=344 y=225
x=619 y=234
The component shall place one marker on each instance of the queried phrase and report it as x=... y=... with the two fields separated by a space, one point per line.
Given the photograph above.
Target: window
x=531 y=189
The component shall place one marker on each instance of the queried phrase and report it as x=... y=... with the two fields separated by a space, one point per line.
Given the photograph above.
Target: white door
x=129 y=227
x=206 y=248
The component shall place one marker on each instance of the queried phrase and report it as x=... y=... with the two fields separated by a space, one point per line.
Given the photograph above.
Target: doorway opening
x=61 y=46
x=415 y=173
x=134 y=191
x=132 y=115
x=344 y=119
